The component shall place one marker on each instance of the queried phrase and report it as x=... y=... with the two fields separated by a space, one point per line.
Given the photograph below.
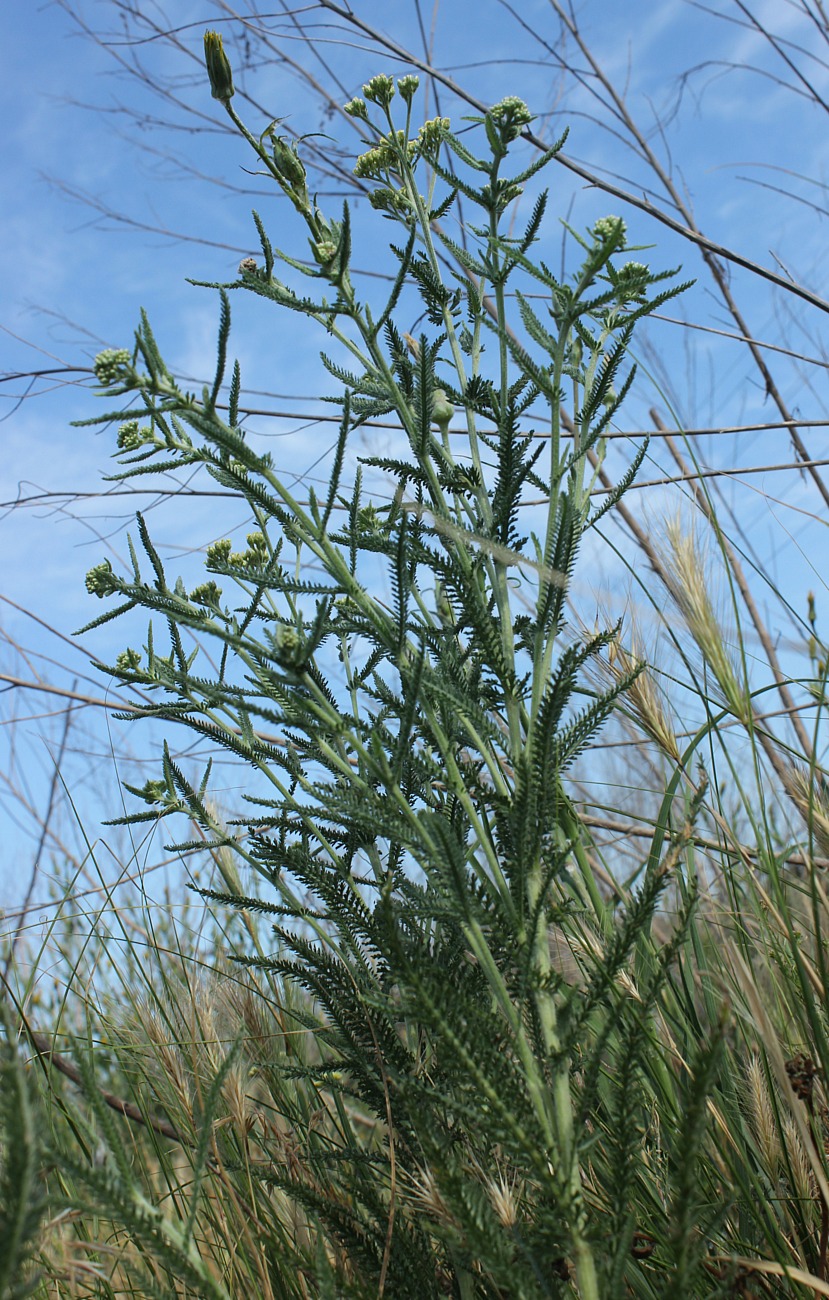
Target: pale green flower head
x=128 y=660
x=219 y=553
x=101 y=581
x=218 y=68
x=206 y=594
x=110 y=366
x=258 y=543
x=380 y=90
x=324 y=251
x=632 y=280
x=408 y=87
x=131 y=437
x=289 y=646
x=611 y=230
x=384 y=157
x=510 y=115
x=371 y=164
x=633 y=271
x=432 y=133
x=356 y=108
x=396 y=202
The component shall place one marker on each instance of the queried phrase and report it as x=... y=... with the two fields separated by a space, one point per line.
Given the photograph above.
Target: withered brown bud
x=801 y=1071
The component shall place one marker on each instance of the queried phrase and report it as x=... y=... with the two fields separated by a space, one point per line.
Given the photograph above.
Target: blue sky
x=92 y=177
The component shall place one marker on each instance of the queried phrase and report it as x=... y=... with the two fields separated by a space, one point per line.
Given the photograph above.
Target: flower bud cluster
x=408 y=86
x=397 y=202
x=370 y=521
x=431 y=134
x=325 y=250
x=631 y=281
x=380 y=90
x=288 y=646
x=111 y=366
x=218 y=555
x=385 y=156
x=101 y=581
x=510 y=115
x=128 y=660
x=611 y=230
x=207 y=593
x=356 y=108
x=132 y=438
x=158 y=792
x=633 y=277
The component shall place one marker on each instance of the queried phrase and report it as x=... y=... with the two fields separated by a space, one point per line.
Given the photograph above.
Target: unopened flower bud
x=442 y=409
x=287 y=162
x=247 y=266
x=218 y=68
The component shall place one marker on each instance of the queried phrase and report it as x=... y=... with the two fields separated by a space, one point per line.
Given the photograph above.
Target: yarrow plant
x=490 y=1106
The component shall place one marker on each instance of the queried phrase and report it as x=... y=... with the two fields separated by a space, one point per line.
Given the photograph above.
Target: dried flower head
x=801 y=1071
